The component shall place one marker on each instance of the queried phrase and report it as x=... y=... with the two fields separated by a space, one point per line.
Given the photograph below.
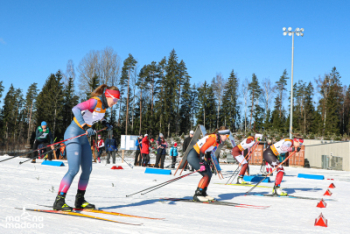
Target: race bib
x=43 y=135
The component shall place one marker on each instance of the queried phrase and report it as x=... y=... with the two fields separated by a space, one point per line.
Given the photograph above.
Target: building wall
x=314 y=149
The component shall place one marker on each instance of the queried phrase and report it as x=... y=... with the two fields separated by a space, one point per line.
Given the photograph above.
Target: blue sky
x=39 y=37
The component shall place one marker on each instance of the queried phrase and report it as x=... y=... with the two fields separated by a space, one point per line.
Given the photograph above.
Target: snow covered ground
x=29 y=184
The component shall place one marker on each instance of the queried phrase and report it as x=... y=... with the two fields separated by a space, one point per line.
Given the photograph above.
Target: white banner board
x=127 y=142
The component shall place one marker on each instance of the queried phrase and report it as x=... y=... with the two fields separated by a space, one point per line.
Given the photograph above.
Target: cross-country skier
x=78 y=150
x=270 y=156
x=197 y=158
x=237 y=153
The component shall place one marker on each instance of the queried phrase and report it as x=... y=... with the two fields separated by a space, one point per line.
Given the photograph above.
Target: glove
x=90 y=132
x=201 y=167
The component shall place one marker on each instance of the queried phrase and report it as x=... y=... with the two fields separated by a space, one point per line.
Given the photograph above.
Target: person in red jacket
x=145 y=150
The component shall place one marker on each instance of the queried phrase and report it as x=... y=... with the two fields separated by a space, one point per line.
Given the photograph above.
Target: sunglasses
x=114 y=98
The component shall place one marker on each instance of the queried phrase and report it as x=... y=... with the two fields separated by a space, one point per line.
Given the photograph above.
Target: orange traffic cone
x=321 y=221
x=331 y=185
x=322 y=204
x=114 y=168
x=327 y=193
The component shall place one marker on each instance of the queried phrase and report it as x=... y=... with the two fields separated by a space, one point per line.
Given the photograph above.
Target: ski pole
x=236 y=171
x=49 y=146
x=40 y=155
x=247 y=158
x=125 y=161
x=270 y=173
x=169 y=181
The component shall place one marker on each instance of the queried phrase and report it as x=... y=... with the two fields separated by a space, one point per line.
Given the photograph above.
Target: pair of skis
x=215 y=202
x=76 y=212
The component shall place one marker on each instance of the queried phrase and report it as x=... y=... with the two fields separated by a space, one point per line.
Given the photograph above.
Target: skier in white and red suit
x=237 y=153
x=270 y=156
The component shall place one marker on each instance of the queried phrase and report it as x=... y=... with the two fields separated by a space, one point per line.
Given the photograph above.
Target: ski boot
x=278 y=191
x=207 y=196
x=80 y=202
x=60 y=203
x=240 y=180
x=200 y=195
x=33 y=161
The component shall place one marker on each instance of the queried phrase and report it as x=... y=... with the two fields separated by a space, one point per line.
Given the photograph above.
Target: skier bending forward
x=237 y=154
x=197 y=158
x=78 y=150
x=270 y=156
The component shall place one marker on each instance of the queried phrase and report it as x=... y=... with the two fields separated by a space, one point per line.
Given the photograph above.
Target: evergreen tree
x=70 y=100
x=346 y=111
x=142 y=86
x=171 y=90
x=160 y=104
x=277 y=116
x=206 y=114
x=255 y=92
x=1 y=90
x=230 y=109
x=186 y=106
x=181 y=79
x=13 y=114
x=129 y=67
x=50 y=104
x=30 y=107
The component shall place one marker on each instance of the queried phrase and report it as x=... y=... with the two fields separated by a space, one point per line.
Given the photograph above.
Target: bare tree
x=267 y=94
x=109 y=66
x=218 y=84
x=70 y=72
x=88 y=68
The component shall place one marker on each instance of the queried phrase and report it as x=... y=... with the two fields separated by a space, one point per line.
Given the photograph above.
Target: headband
x=224 y=132
x=300 y=140
x=112 y=93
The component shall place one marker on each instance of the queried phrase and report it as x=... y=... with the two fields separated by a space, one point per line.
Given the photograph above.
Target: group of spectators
x=143 y=145
x=110 y=145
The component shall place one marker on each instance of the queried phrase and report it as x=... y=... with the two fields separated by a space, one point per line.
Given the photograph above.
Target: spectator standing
x=138 y=156
x=101 y=146
x=93 y=148
x=111 y=148
x=173 y=154
x=145 y=150
x=186 y=144
x=43 y=137
x=161 y=151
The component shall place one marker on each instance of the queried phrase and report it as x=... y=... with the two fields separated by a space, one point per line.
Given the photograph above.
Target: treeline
x=160 y=97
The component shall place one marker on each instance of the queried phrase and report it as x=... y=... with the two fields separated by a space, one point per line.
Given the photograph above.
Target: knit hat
x=146 y=135
x=161 y=135
x=191 y=132
x=175 y=144
x=43 y=123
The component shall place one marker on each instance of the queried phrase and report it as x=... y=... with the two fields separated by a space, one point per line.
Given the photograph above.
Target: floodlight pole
x=299 y=32
x=291 y=94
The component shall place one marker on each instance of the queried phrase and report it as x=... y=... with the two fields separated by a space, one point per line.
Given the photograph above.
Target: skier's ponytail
x=100 y=89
